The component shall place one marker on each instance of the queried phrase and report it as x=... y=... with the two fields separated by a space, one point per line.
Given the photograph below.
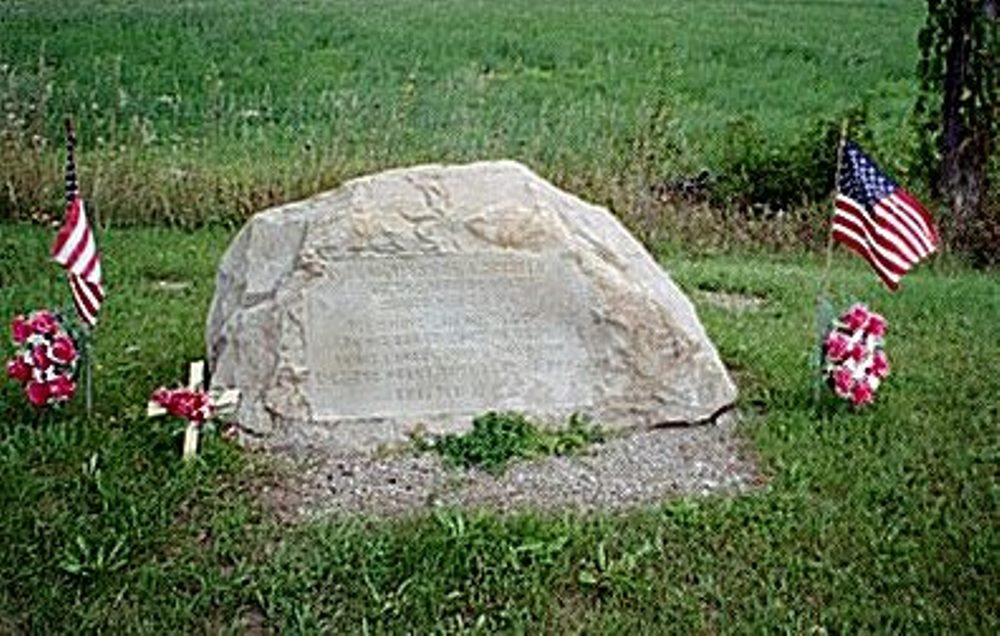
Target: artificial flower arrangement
x=854 y=359
x=192 y=405
x=46 y=359
x=197 y=408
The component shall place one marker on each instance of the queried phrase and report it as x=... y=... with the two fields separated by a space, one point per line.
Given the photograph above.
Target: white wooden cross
x=219 y=400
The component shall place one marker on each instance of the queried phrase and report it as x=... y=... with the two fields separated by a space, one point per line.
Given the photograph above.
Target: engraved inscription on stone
x=462 y=333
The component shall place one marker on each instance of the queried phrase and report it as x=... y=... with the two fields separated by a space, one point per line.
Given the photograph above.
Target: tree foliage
x=957 y=111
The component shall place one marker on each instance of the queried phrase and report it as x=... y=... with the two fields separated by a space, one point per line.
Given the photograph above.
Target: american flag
x=75 y=248
x=879 y=220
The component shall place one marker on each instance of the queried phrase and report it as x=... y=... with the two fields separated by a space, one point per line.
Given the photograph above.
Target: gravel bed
x=634 y=469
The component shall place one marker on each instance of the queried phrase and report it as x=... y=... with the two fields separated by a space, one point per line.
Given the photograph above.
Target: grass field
x=881 y=521
x=193 y=111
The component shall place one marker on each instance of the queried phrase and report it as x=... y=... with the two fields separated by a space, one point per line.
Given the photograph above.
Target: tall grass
x=191 y=111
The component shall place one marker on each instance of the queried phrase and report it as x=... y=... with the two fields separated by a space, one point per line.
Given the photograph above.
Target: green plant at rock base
x=497 y=438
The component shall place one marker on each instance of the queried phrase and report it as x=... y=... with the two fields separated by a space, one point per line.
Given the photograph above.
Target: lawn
x=193 y=111
x=881 y=520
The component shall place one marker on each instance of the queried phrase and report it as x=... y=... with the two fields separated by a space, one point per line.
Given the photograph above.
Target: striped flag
x=75 y=248
x=879 y=220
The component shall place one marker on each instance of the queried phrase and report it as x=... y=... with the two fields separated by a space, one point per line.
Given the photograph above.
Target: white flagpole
x=88 y=369
x=822 y=296
x=825 y=284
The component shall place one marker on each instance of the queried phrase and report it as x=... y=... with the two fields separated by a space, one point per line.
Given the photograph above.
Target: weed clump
x=498 y=438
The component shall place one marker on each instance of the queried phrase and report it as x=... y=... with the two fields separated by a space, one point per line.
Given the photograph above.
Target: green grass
x=884 y=520
x=190 y=111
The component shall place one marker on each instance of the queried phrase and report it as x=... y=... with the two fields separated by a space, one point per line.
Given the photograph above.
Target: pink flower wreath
x=854 y=360
x=46 y=358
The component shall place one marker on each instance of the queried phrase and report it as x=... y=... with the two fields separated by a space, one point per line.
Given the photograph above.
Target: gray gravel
x=632 y=470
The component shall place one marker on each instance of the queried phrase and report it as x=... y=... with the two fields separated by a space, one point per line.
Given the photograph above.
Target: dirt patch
x=627 y=471
x=171 y=285
x=731 y=301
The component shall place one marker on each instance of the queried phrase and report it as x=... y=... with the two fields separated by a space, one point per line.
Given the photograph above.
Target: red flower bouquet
x=189 y=404
x=854 y=360
x=46 y=358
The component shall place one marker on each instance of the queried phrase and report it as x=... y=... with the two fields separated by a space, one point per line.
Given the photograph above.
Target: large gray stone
x=424 y=296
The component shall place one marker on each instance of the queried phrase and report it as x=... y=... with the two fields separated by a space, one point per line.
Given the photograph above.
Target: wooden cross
x=196 y=380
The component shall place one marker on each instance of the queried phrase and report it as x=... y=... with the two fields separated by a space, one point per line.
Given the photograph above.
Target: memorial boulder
x=422 y=297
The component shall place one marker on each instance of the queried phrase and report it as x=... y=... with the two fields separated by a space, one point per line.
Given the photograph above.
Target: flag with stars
x=879 y=220
x=75 y=248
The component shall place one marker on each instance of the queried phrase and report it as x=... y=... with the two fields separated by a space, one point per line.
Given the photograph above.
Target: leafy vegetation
x=498 y=438
x=956 y=112
x=882 y=520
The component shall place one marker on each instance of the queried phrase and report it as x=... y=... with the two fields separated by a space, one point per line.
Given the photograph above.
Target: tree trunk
x=959 y=181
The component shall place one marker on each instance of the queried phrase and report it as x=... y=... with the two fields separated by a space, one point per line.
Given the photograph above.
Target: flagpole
x=824 y=290
x=89 y=371
x=88 y=363
x=822 y=296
